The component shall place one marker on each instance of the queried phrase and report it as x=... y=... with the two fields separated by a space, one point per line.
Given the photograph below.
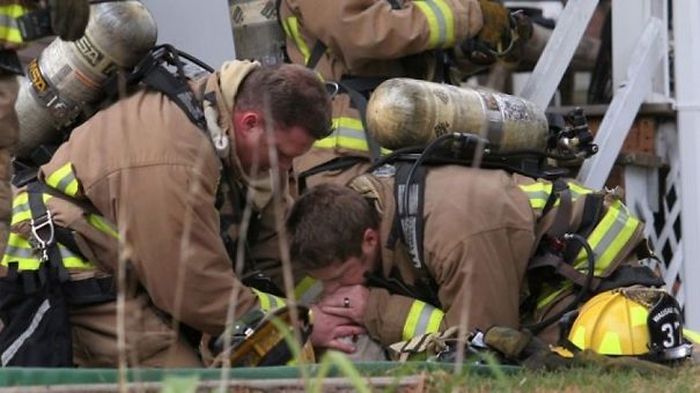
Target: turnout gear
x=632 y=321
x=68 y=79
x=10 y=32
x=474 y=267
x=89 y=177
x=385 y=39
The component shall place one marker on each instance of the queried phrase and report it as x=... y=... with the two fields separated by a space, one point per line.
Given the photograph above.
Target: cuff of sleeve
x=385 y=315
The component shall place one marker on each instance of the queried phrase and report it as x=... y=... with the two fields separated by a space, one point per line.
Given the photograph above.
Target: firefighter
x=356 y=44
x=502 y=248
x=68 y=20
x=140 y=183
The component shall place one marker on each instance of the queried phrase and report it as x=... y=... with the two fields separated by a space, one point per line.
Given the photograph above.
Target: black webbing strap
x=43 y=232
x=160 y=79
x=408 y=221
x=47 y=235
x=592 y=211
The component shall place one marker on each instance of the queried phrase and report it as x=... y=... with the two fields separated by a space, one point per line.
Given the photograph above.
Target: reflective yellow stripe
x=578 y=190
x=9 y=32
x=441 y=23
x=291 y=28
x=610 y=345
x=609 y=237
x=268 y=302
x=308 y=290
x=691 y=335
x=544 y=301
x=348 y=133
x=64 y=180
x=20 y=250
x=422 y=318
x=20 y=207
x=101 y=224
x=537 y=193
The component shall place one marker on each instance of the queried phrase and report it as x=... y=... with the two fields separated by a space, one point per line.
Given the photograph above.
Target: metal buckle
x=38 y=224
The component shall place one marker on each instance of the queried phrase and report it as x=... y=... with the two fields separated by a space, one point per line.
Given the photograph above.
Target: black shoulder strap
x=409 y=191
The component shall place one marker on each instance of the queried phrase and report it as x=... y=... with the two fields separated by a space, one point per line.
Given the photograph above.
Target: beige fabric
x=367 y=38
x=145 y=167
x=477 y=241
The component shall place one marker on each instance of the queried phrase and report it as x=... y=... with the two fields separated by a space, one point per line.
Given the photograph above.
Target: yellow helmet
x=632 y=321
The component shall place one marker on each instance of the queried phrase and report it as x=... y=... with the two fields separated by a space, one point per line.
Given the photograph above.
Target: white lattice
x=662 y=221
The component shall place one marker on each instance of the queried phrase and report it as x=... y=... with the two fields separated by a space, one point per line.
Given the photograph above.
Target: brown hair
x=327 y=225
x=296 y=95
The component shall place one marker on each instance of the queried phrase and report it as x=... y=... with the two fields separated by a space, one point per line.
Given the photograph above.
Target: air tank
x=404 y=112
x=257 y=33
x=69 y=76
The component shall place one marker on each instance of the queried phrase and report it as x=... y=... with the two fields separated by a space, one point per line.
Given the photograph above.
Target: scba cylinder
x=406 y=112
x=69 y=76
x=257 y=33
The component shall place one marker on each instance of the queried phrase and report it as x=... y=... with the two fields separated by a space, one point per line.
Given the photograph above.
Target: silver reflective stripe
x=65 y=181
x=36 y=320
x=442 y=24
x=422 y=325
x=20 y=208
x=273 y=301
x=19 y=252
x=312 y=294
x=8 y=21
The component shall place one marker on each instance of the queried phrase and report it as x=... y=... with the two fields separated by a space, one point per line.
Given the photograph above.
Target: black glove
x=69 y=18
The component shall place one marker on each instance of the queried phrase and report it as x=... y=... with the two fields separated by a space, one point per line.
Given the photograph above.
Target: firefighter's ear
x=370 y=240
x=248 y=121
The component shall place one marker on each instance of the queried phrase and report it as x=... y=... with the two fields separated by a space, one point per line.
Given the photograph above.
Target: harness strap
x=43 y=231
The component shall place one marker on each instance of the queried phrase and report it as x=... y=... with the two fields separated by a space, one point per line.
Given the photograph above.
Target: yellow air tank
x=404 y=112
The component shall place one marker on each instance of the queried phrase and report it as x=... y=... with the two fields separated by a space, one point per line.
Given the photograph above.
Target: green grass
x=590 y=379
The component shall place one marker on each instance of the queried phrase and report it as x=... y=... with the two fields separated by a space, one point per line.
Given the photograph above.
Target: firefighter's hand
x=347 y=301
x=69 y=18
x=493 y=36
x=329 y=330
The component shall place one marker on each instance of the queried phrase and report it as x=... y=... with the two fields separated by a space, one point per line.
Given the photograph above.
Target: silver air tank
x=69 y=76
x=404 y=112
x=257 y=33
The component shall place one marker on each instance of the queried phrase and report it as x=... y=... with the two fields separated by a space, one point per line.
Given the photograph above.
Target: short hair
x=296 y=95
x=327 y=225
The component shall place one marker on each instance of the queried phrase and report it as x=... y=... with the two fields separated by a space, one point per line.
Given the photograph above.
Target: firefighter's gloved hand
x=502 y=37
x=495 y=33
x=496 y=28
x=69 y=18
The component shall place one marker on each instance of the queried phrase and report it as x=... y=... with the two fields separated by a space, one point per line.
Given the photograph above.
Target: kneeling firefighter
x=586 y=242
x=168 y=208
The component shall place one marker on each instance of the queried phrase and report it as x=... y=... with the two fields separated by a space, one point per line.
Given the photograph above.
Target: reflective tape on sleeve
x=422 y=318
x=64 y=180
x=267 y=301
x=441 y=22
